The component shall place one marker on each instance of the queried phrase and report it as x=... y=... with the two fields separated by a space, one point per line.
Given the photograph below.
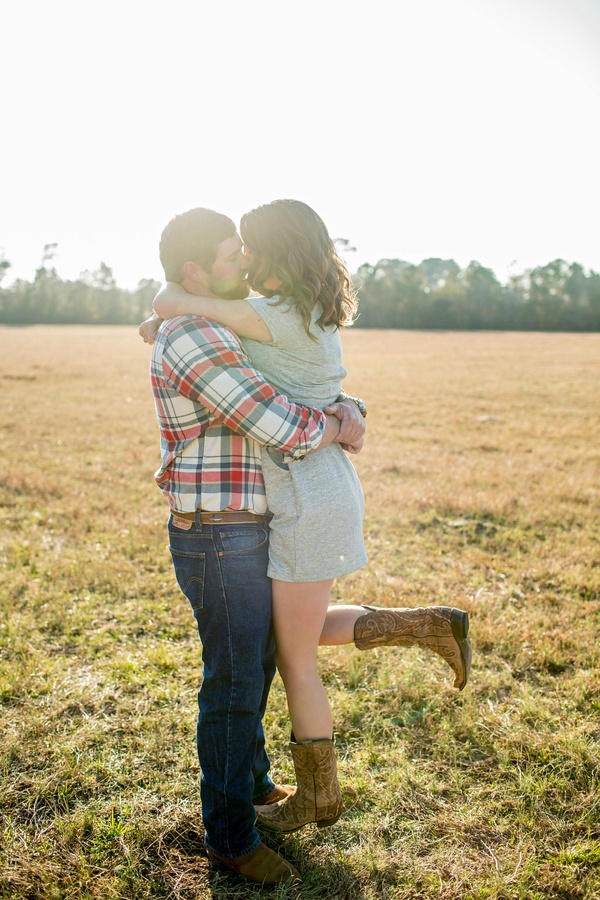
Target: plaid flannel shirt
x=214 y=413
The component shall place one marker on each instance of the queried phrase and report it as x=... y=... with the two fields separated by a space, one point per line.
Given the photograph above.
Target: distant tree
x=101 y=278
x=482 y=298
x=593 y=293
x=43 y=300
x=378 y=290
x=4 y=267
x=445 y=293
x=142 y=298
x=344 y=245
x=436 y=272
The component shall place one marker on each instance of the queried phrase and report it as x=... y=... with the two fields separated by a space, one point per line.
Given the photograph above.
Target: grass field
x=481 y=483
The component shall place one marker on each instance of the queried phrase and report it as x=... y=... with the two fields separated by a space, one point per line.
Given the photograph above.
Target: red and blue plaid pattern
x=214 y=413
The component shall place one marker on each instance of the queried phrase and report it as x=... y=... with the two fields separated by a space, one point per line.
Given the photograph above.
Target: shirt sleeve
x=205 y=362
x=282 y=319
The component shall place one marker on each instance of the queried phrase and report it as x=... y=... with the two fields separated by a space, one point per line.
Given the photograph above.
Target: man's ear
x=193 y=272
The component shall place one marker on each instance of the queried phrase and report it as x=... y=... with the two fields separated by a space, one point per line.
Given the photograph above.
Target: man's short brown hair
x=193 y=236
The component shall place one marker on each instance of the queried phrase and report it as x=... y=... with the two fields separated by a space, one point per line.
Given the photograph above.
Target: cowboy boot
x=262 y=865
x=441 y=628
x=318 y=797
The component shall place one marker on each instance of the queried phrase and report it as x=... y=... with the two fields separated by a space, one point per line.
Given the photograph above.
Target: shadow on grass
x=189 y=872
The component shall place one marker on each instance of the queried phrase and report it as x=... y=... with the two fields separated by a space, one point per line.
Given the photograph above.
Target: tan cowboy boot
x=318 y=797
x=441 y=628
x=262 y=866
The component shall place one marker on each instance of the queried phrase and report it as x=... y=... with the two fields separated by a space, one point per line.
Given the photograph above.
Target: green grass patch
x=476 y=497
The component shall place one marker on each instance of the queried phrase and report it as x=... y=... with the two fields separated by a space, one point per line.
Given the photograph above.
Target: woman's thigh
x=299 y=611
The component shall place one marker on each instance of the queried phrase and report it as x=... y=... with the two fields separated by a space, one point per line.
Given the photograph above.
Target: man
x=214 y=412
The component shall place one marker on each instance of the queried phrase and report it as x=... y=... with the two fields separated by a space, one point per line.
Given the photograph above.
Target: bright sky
x=416 y=128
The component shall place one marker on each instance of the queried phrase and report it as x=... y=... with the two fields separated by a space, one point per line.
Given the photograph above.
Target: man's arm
x=206 y=364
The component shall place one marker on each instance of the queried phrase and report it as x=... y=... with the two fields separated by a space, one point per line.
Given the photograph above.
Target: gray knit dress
x=317 y=502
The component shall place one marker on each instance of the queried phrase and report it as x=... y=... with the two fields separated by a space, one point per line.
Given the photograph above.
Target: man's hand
x=148 y=329
x=352 y=425
x=356 y=447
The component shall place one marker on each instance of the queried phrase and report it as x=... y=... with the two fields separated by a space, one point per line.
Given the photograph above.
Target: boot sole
x=320 y=823
x=459 y=621
x=325 y=823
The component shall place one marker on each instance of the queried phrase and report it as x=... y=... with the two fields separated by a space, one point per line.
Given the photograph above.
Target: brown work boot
x=318 y=797
x=279 y=792
x=262 y=866
x=441 y=628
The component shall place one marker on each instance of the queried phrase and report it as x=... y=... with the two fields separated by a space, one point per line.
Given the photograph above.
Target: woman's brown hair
x=289 y=240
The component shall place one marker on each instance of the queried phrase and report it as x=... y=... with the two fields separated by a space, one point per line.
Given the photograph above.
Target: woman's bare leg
x=299 y=612
x=338 y=627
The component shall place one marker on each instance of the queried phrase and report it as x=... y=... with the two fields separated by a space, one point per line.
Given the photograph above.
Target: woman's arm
x=149 y=328
x=172 y=300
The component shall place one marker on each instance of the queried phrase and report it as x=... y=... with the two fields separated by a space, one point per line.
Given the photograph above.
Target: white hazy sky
x=416 y=128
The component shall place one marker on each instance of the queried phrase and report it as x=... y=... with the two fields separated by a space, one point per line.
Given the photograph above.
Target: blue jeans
x=222 y=570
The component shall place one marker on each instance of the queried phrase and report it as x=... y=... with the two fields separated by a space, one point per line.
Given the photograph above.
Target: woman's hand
x=148 y=329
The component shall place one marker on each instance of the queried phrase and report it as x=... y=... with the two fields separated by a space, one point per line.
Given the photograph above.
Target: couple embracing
x=266 y=508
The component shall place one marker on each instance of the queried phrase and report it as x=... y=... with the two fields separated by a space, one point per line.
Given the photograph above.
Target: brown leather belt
x=226 y=517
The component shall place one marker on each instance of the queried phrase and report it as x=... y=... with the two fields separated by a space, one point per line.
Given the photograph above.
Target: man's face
x=227 y=275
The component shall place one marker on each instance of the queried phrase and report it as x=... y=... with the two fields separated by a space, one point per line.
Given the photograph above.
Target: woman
x=292 y=335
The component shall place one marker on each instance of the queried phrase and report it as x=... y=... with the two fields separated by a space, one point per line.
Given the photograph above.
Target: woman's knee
x=298 y=672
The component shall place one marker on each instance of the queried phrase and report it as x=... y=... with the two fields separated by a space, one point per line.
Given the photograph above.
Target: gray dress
x=317 y=502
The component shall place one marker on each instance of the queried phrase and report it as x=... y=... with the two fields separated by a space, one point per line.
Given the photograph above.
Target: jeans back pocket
x=190 y=571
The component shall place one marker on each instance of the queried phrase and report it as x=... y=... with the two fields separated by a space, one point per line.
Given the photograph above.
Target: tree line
x=435 y=294
x=92 y=299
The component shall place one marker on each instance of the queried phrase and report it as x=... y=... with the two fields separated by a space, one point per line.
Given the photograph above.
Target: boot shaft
x=318 y=797
x=407 y=626
x=316 y=771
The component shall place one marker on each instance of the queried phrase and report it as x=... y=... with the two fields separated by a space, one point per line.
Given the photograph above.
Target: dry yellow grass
x=481 y=483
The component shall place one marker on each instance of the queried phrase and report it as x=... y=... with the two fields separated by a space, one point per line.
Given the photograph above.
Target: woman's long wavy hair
x=289 y=240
